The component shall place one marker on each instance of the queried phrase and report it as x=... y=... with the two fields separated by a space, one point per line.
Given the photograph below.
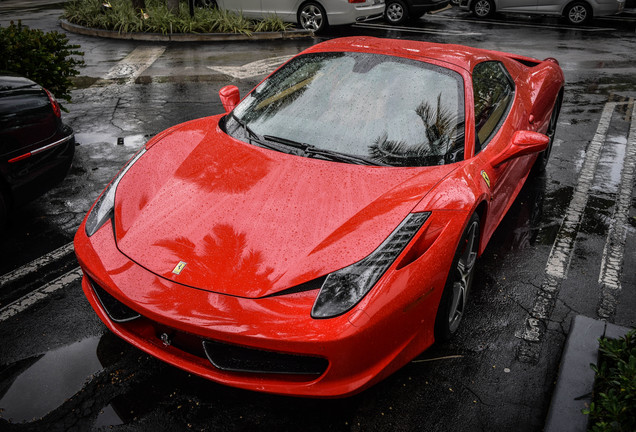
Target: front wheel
x=311 y=16
x=460 y=278
x=578 y=13
x=396 y=12
x=483 y=8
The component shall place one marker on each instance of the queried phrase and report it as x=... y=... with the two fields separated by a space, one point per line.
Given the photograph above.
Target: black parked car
x=397 y=12
x=36 y=148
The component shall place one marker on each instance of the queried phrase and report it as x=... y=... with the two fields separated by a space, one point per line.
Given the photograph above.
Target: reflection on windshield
x=392 y=110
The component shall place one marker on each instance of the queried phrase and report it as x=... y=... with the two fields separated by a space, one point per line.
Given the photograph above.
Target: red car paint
x=251 y=224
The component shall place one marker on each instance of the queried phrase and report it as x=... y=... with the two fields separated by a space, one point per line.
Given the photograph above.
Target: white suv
x=575 y=11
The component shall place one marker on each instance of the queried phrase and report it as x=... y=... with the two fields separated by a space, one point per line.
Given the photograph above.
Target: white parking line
x=36 y=264
x=561 y=254
x=415 y=30
x=614 y=250
x=41 y=293
x=253 y=69
x=518 y=24
x=135 y=63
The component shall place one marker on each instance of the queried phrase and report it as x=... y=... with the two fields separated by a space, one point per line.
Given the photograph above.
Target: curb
x=575 y=385
x=185 y=37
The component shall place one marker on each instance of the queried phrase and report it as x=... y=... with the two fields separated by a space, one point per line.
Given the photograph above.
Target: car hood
x=251 y=222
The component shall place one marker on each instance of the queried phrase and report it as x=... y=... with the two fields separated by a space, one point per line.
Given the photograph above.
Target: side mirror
x=523 y=143
x=230 y=97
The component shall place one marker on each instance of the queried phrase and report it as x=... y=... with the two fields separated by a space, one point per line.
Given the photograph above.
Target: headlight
x=343 y=289
x=103 y=208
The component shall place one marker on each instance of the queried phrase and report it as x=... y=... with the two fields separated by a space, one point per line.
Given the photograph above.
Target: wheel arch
x=482 y=211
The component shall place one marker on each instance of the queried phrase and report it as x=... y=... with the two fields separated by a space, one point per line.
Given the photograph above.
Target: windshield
x=388 y=110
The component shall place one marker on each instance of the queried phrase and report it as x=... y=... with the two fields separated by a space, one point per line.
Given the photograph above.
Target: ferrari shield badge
x=485 y=176
x=179 y=267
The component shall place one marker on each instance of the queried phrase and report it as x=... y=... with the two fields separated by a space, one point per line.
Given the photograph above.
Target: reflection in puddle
x=46 y=381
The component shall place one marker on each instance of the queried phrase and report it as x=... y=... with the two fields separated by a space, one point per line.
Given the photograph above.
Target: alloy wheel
x=463 y=276
x=578 y=14
x=311 y=18
x=395 y=12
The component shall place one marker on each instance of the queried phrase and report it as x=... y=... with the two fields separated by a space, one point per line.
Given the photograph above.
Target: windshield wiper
x=332 y=155
x=342 y=157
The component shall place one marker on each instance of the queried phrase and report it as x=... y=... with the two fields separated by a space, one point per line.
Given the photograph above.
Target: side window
x=494 y=91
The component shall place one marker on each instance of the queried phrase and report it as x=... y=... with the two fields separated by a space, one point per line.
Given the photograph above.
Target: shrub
x=46 y=58
x=614 y=405
x=123 y=17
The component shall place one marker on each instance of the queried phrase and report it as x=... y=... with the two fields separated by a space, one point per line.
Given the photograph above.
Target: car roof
x=458 y=55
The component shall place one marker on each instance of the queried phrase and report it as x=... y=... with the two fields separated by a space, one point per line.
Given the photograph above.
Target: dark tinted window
x=494 y=92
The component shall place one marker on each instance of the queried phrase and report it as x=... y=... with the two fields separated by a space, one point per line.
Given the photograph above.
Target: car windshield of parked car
x=383 y=109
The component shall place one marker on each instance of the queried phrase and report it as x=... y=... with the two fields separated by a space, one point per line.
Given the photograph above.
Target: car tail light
x=54 y=104
x=357 y=1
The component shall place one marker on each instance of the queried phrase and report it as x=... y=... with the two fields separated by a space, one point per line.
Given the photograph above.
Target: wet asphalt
x=61 y=369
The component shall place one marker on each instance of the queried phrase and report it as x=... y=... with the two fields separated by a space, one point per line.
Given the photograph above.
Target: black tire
x=3 y=212
x=578 y=13
x=396 y=12
x=460 y=278
x=483 y=8
x=542 y=160
x=312 y=16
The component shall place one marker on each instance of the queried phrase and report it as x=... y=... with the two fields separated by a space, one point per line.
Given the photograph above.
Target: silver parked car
x=574 y=11
x=314 y=15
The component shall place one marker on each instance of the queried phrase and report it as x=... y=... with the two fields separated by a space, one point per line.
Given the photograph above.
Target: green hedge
x=122 y=17
x=614 y=405
x=46 y=58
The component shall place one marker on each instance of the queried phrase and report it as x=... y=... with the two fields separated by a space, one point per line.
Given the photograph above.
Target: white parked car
x=574 y=11
x=314 y=15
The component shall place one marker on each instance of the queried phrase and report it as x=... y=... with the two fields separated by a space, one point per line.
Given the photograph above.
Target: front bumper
x=338 y=356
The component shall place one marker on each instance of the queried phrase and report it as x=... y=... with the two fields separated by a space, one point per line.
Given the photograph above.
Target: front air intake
x=116 y=310
x=234 y=358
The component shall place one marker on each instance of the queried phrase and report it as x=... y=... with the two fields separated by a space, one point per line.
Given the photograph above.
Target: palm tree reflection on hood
x=439 y=124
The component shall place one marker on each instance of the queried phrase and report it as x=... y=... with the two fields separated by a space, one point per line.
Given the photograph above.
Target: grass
x=121 y=17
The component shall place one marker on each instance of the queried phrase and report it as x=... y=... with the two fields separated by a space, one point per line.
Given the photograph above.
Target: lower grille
x=235 y=358
x=116 y=310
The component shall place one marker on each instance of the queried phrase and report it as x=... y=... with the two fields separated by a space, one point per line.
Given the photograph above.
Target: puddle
x=36 y=386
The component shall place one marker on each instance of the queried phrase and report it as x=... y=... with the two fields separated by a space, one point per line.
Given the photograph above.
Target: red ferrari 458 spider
x=323 y=231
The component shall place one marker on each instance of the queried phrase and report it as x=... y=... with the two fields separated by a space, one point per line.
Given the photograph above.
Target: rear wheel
x=396 y=12
x=311 y=16
x=483 y=8
x=460 y=278
x=544 y=156
x=578 y=13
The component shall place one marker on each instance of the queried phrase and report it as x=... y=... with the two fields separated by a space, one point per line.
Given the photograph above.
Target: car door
x=494 y=93
x=550 y=6
x=284 y=9
x=249 y=8
x=527 y=6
